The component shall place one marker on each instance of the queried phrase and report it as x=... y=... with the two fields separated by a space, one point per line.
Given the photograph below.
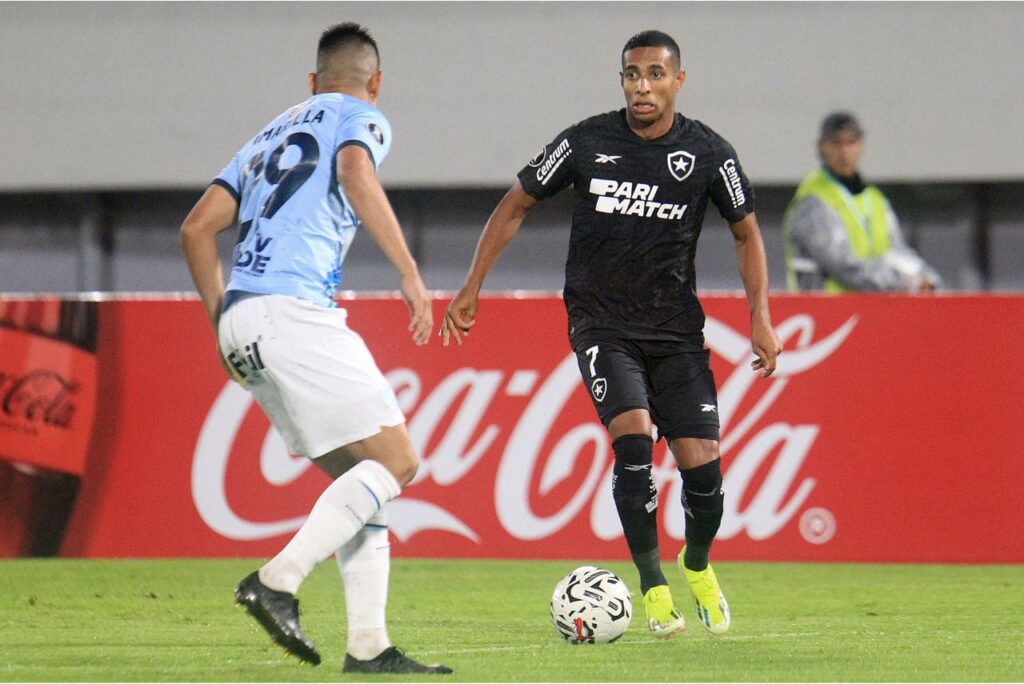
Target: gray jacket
x=821 y=248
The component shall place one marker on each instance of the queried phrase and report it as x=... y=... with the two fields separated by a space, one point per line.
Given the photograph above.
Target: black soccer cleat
x=391 y=661
x=278 y=613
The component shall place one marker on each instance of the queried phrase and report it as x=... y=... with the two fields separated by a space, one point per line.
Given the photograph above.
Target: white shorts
x=310 y=373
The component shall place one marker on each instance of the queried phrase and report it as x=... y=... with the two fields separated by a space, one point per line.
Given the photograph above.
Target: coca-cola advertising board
x=48 y=372
x=47 y=400
x=891 y=431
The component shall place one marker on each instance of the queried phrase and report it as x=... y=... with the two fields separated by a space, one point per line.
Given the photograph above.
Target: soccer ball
x=591 y=606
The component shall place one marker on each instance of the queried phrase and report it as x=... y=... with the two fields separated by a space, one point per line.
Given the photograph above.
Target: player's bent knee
x=630 y=422
x=402 y=463
x=410 y=464
x=403 y=455
x=691 y=452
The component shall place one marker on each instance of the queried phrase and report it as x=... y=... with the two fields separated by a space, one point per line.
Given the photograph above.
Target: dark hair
x=839 y=121
x=342 y=36
x=653 y=39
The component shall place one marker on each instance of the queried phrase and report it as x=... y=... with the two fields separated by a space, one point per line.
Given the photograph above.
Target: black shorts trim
x=608 y=416
x=695 y=432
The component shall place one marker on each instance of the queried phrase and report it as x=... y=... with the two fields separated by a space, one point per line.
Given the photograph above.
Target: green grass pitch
x=174 y=620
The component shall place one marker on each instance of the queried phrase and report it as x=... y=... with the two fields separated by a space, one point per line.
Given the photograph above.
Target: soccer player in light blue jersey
x=297 y=190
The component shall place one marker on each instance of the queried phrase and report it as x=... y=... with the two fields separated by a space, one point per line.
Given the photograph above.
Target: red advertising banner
x=890 y=432
x=47 y=401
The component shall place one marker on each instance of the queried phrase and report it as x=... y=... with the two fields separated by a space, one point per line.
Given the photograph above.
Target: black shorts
x=671 y=380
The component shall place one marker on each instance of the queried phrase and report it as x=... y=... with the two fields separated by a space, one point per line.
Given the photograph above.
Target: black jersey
x=638 y=213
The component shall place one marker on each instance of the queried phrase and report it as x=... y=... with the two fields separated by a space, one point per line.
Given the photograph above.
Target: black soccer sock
x=636 y=500
x=702 y=501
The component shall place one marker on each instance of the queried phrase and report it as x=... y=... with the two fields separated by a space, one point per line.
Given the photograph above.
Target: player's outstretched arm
x=754 y=272
x=501 y=227
x=216 y=211
x=358 y=176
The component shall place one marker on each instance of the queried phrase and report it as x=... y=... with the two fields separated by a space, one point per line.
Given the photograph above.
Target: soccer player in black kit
x=642 y=177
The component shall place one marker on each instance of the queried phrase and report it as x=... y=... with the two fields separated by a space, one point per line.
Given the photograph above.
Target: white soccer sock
x=364 y=563
x=337 y=516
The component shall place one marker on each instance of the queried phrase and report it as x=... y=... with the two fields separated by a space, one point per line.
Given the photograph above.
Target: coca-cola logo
x=764 y=455
x=40 y=397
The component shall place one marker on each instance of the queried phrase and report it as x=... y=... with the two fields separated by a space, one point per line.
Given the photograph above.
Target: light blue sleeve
x=231 y=177
x=369 y=129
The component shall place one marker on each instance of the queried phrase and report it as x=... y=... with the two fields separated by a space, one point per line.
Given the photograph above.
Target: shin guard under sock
x=702 y=501
x=364 y=563
x=636 y=501
x=337 y=516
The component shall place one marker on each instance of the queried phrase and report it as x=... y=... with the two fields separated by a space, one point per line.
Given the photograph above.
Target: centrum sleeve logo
x=550 y=164
x=732 y=183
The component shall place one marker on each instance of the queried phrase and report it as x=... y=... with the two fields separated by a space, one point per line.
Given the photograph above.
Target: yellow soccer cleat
x=663 y=618
x=712 y=608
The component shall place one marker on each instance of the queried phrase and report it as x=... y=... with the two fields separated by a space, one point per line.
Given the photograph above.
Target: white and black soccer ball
x=591 y=606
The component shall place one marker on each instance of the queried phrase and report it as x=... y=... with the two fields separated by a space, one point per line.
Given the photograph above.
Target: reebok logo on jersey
x=708 y=408
x=632 y=200
x=549 y=163
x=732 y=183
x=680 y=164
x=607 y=158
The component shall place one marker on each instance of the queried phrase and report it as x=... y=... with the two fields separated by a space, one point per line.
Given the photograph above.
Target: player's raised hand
x=767 y=347
x=415 y=295
x=459 y=317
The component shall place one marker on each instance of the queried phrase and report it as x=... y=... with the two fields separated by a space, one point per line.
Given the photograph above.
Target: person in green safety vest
x=840 y=233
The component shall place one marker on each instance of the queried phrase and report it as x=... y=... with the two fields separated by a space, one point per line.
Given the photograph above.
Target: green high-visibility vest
x=864 y=215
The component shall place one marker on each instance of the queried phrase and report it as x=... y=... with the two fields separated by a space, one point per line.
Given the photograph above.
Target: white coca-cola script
x=461 y=402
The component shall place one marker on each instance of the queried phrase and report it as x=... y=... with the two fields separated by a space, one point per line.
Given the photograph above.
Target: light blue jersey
x=295 y=224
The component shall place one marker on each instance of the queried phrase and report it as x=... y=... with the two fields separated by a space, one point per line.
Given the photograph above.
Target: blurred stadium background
x=116 y=115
